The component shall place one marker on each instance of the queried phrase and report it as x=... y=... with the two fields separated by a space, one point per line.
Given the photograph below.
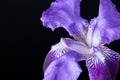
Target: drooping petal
x=108 y=21
x=63 y=68
x=61 y=63
x=103 y=65
x=57 y=51
x=112 y=61
x=66 y=45
x=64 y=13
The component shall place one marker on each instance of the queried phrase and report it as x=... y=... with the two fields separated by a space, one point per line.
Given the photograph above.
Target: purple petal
x=64 y=68
x=57 y=51
x=108 y=21
x=103 y=65
x=64 y=13
x=112 y=61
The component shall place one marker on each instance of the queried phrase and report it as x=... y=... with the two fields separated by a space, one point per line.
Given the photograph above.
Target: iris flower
x=88 y=44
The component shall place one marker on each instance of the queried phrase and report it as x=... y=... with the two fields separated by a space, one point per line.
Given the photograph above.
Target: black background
x=25 y=42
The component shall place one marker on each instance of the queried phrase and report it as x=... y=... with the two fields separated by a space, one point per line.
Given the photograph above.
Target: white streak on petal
x=96 y=38
x=100 y=56
x=89 y=36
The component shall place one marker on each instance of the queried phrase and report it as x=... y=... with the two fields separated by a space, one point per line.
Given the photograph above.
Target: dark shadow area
x=84 y=75
x=89 y=9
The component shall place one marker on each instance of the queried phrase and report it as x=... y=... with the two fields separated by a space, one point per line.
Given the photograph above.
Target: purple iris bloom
x=62 y=60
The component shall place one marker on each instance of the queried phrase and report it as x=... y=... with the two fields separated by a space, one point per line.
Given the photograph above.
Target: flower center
x=94 y=50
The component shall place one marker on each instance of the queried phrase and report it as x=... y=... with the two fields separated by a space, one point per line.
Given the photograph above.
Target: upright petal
x=63 y=68
x=64 y=13
x=103 y=65
x=108 y=21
